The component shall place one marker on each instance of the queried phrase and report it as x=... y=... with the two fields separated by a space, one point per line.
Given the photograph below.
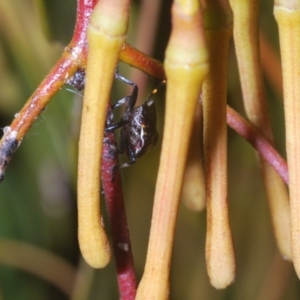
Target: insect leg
x=121 y=102
x=127 y=164
x=115 y=126
x=123 y=121
x=129 y=101
x=132 y=98
x=125 y=147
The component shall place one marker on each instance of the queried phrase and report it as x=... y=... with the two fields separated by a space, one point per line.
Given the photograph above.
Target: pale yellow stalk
x=287 y=14
x=246 y=39
x=186 y=67
x=193 y=189
x=271 y=64
x=220 y=259
x=106 y=36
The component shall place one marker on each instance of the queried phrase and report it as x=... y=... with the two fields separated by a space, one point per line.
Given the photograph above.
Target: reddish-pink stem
x=260 y=143
x=84 y=11
x=112 y=186
x=74 y=56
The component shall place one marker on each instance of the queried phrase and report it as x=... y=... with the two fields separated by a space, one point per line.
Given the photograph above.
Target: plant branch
x=251 y=134
x=112 y=187
x=73 y=56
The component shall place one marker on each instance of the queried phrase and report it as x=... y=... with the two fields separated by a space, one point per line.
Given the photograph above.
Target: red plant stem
x=74 y=56
x=260 y=143
x=84 y=11
x=112 y=186
x=143 y=62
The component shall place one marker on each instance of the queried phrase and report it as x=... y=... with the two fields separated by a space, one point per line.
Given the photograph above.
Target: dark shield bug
x=138 y=132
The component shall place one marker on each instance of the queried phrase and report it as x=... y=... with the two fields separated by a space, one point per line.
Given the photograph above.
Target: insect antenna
x=149 y=100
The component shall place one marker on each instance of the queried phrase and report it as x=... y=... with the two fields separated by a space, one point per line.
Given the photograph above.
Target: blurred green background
x=38 y=195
